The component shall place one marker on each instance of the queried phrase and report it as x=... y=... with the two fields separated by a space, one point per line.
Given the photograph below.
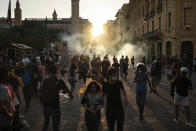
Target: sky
x=97 y=11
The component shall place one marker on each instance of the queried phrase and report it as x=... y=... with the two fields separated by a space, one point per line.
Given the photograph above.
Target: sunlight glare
x=97 y=29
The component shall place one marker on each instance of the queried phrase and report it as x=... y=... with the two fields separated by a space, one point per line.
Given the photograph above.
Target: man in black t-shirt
x=114 y=107
x=49 y=97
x=117 y=66
x=182 y=85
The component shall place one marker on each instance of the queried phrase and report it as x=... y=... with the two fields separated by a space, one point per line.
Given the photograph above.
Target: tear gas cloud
x=81 y=44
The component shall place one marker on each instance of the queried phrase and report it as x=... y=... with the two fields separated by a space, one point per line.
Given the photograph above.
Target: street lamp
x=46 y=40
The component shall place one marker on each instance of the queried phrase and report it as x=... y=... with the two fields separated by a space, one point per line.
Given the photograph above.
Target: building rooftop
x=58 y=21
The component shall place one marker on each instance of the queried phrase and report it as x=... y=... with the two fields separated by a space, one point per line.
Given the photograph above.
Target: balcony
x=153 y=35
x=152 y=13
x=159 y=9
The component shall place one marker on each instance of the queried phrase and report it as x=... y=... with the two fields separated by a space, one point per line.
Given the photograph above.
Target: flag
x=9 y=12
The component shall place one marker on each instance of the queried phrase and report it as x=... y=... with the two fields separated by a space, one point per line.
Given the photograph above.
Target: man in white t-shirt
x=26 y=61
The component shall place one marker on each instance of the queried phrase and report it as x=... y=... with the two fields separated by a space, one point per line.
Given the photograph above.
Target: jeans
x=140 y=99
x=115 y=115
x=72 y=84
x=56 y=116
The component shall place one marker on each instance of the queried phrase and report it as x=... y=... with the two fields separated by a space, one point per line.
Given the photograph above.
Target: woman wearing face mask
x=141 y=79
x=114 y=107
x=92 y=102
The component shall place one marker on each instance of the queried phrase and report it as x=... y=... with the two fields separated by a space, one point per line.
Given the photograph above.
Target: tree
x=30 y=33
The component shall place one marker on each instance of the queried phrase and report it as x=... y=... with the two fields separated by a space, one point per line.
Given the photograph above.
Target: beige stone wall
x=175 y=34
x=18 y=17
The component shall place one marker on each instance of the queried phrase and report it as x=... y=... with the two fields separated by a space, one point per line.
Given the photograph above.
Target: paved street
x=159 y=111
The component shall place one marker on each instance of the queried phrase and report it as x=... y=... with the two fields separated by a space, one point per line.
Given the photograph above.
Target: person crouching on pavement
x=114 y=107
x=182 y=85
x=141 y=79
x=92 y=101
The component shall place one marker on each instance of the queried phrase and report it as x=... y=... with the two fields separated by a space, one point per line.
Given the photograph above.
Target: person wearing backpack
x=28 y=89
x=49 y=97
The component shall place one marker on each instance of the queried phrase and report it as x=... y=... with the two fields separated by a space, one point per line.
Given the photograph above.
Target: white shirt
x=25 y=61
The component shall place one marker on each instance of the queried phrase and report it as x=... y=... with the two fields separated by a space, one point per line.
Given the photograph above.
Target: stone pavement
x=159 y=111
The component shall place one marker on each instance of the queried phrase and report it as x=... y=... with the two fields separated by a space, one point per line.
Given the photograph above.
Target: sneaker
x=141 y=118
x=189 y=124
x=176 y=121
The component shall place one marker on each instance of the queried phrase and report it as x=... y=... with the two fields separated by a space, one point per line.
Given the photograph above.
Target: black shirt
x=182 y=84
x=116 y=65
x=50 y=91
x=112 y=90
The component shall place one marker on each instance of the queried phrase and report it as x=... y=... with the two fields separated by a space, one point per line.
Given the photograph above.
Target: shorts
x=181 y=99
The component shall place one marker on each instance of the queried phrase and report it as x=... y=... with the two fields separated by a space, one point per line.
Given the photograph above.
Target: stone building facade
x=72 y=25
x=167 y=26
x=18 y=14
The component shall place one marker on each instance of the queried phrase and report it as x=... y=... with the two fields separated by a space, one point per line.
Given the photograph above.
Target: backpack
x=49 y=91
x=26 y=78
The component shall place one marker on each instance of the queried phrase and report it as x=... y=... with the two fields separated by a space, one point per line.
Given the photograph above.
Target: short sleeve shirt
x=112 y=90
x=5 y=97
x=141 y=85
x=182 y=84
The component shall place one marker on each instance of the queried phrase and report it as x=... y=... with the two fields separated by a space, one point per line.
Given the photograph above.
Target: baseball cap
x=184 y=69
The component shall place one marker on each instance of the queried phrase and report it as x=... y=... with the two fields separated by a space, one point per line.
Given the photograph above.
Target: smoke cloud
x=81 y=44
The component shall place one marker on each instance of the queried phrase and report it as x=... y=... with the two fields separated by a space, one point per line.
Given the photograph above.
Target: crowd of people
x=39 y=77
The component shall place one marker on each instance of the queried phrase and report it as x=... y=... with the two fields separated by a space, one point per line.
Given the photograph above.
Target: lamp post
x=46 y=38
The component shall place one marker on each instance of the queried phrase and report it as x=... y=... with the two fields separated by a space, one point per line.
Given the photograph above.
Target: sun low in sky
x=97 y=30
x=97 y=11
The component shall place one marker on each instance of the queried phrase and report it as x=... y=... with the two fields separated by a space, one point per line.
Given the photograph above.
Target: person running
x=125 y=66
x=155 y=75
x=141 y=79
x=117 y=66
x=114 y=107
x=72 y=76
x=105 y=64
x=83 y=69
x=27 y=78
x=92 y=102
x=182 y=85
x=121 y=65
x=6 y=110
x=49 y=97
x=133 y=62
x=114 y=58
